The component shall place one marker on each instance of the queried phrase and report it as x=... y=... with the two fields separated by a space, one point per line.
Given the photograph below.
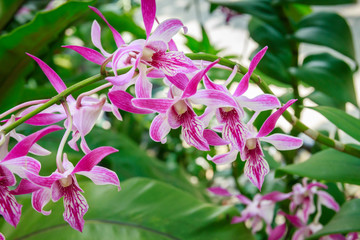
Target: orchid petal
x=219 y=191
x=213 y=138
x=159 y=128
x=155 y=73
x=23 y=147
x=88 y=54
x=148 y=9
x=10 y=209
x=158 y=105
x=18 y=165
x=102 y=176
x=53 y=77
x=96 y=37
x=192 y=132
x=234 y=130
x=256 y=169
x=315 y=184
x=211 y=85
x=191 y=88
x=35 y=149
x=236 y=219
x=243 y=199
x=166 y=30
x=42 y=119
x=276 y=196
x=117 y=37
x=213 y=98
x=40 y=198
x=283 y=142
x=224 y=158
x=143 y=86
x=327 y=200
x=207 y=116
x=93 y=158
x=260 y=103
x=270 y=122
x=172 y=63
x=123 y=100
x=244 y=83
x=296 y=221
x=75 y=206
x=44 y=181
x=180 y=80
x=172 y=45
x=25 y=187
x=7 y=177
x=278 y=232
x=122 y=79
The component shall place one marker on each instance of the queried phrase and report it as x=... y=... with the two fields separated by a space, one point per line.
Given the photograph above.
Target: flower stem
x=297 y=124
x=59 y=153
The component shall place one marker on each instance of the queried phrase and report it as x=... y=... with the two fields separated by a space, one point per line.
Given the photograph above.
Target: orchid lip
x=251 y=143
x=227 y=109
x=65 y=182
x=180 y=107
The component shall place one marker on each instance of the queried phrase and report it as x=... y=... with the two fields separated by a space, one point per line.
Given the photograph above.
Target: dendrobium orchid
x=63 y=183
x=16 y=162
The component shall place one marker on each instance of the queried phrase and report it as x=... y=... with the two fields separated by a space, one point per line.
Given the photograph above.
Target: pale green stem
x=20 y=106
x=60 y=150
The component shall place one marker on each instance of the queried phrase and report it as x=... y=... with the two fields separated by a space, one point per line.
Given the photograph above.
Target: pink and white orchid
x=16 y=162
x=63 y=183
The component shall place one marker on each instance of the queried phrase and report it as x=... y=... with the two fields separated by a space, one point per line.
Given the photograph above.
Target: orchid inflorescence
x=155 y=57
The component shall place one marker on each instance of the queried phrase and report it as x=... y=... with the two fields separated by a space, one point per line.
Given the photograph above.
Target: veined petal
x=122 y=100
x=192 y=132
x=278 y=232
x=180 y=80
x=93 y=158
x=7 y=177
x=18 y=165
x=327 y=200
x=44 y=181
x=315 y=184
x=158 y=105
x=166 y=30
x=75 y=207
x=159 y=128
x=10 y=209
x=211 y=85
x=172 y=45
x=148 y=9
x=25 y=187
x=244 y=83
x=42 y=119
x=256 y=168
x=276 y=196
x=143 y=86
x=213 y=98
x=88 y=54
x=194 y=82
x=243 y=199
x=117 y=37
x=207 y=116
x=270 y=122
x=122 y=79
x=224 y=158
x=102 y=176
x=96 y=37
x=213 y=138
x=40 y=198
x=23 y=147
x=172 y=63
x=35 y=149
x=260 y=103
x=283 y=142
x=219 y=191
x=53 y=77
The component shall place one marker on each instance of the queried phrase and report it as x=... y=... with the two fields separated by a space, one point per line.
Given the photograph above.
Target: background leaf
x=143 y=209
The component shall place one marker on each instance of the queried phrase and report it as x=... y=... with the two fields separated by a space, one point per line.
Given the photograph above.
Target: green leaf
x=143 y=209
x=344 y=221
x=7 y=10
x=328 y=165
x=322 y=2
x=34 y=37
x=342 y=120
x=326 y=29
x=329 y=75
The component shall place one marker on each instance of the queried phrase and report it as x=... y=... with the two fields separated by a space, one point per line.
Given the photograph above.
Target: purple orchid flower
x=259 y=209
x=256 y=167
x=349 y=236
x=303 y=199
x=177 y=111
x=16 y=162
x=85 y=110
x=63 y=183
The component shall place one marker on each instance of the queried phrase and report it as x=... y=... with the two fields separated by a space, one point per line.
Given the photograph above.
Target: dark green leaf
x=143 y=209
x=329 y=75
x=342 y=120
x=345 y=221
x=326 y=29
x=7 y=10
x=34 y=38
x=329 y=165
x=322 y=2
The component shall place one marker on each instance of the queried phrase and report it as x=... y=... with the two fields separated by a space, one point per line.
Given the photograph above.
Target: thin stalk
x=59 y=153
x=300 y=126
x=22 y=105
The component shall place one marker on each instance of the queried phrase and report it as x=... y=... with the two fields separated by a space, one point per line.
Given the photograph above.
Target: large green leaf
x=34 y=38
x=329 y=75
x=342 y=120
x=7 y=10
x=326 y=29
x=329 y=165
x=322 y=2
x=345 y=221
x=143 y=209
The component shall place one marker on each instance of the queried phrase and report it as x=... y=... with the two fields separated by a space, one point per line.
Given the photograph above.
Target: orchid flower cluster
x=261 y=210
x=155 y=57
